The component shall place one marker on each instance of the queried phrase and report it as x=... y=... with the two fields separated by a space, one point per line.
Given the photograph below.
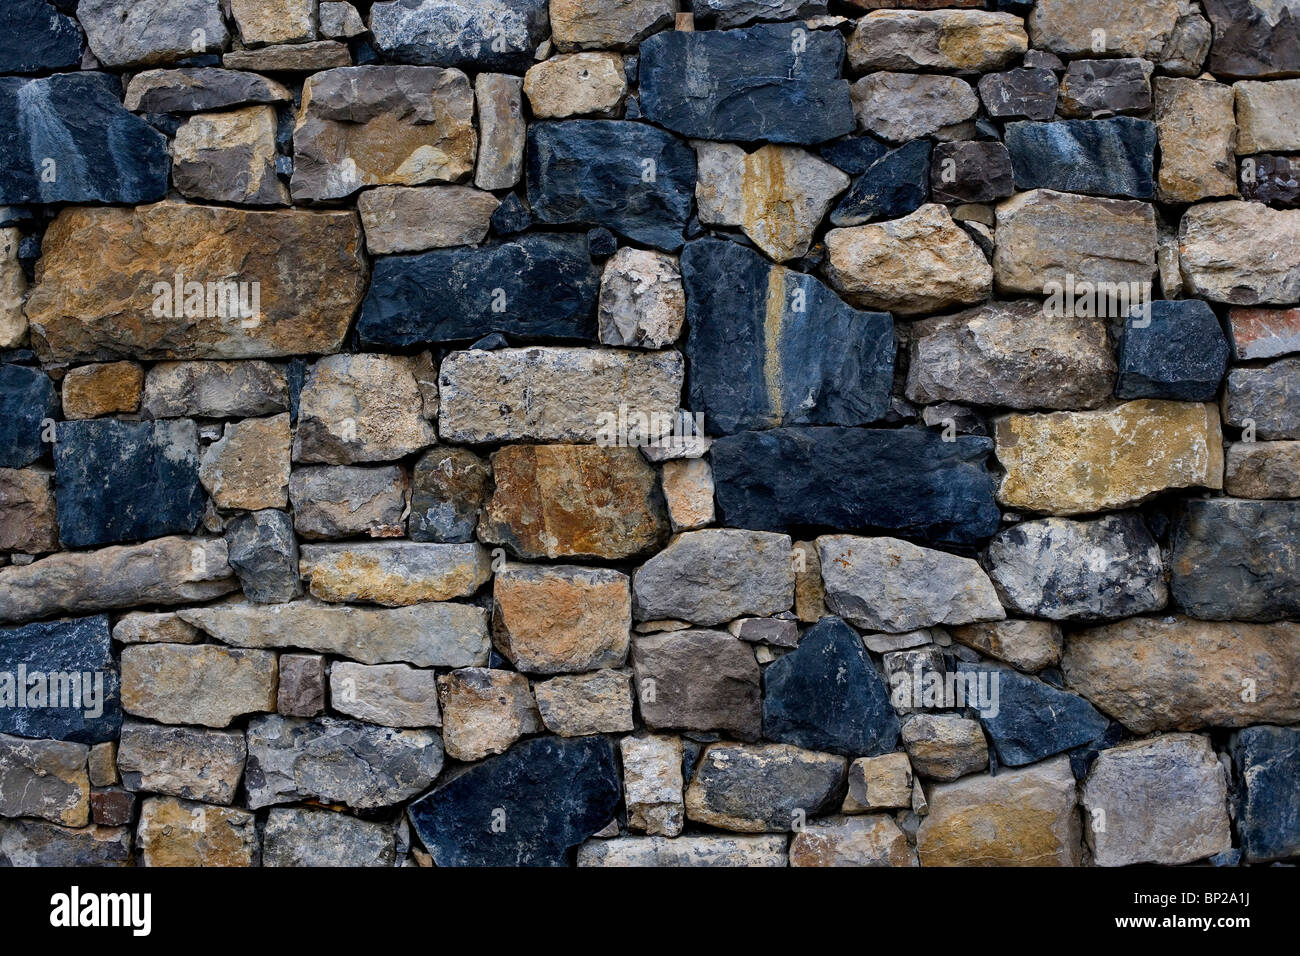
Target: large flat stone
x=174 y=832
x=44 y=779
x=1242 y=253
x=1254 y=38
x=187 y=762
x=36 y=843
x=963 y=40
x=698 y=680
x=393 y=574
x=1266 y=399
x=41 y=39
x=132 y=33
x=694 y=850
x=203 y=684
x=1067 y=27
x=300 y=837
x=474 y=34
x=553 y=619
x=758 y=788
x=1111 y=157
x=77 y=699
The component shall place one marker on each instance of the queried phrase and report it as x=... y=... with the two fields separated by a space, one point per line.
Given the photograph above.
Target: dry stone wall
x=778 y=432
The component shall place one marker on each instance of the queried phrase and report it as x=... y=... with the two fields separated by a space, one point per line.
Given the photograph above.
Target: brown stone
x=1027 y=645
x=1242 y=253
x=1197 y=134
x=879 y=783
x=501 y=129
x=413 y=218
x=104 y=389
x=301 y=691
x=45 y=779
x=27 y=517
x=113 y=807
x=248 y=467
x=1264 y=333
x=1264 y=469
x=553 y=619
x=945 y=746
x=698 y=680
x=484 y=711
x=229 y=157
x=176 y=832
x=873 y=840
x=576 y=84
x=340 y=501
x=688 y=490
x=809 y=593
x=146 y=627
x=574 y=705
x=274 y=21
x=962 y=40
x=652 y=783
x=204 y=684
x=290 y=57
x=600 y=24
x=393 y=574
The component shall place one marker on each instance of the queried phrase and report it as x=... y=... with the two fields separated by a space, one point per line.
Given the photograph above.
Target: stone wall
x=445 y=432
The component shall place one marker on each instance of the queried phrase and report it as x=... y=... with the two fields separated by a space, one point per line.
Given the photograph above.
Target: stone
x=884 y=584
x=540 y=285
x=112 y=807
x=172 y=570
x=1096 y=88
x=1242 y=253
x=414 y=218
x=1267 y=469
x=337 y=761
x=970 y=171
x=906 y=106
x=28 y=521
x=574 y=705
x=393 y=574
x=1253 y=38
x=963 y=40
x=738 y=13
x=1012 y=354
x=1185 y=51
x=944 y=746
x=1178 y=352
x=874 y=840
x=1046 y=237
x=642 y=303
x=712 y=576
x=1067 y=570
x=276 y=21
x=554 y=793
x=1030 y=720
x=693 y=850
x=688 y=492
x=13 y=289
x=1266 y=398
x=593 y=172
x=202 y=684
x=909 y=481
x=1176 y=673
x=101 y=764
x=448 y=488
x=1027 y=645
x=302 y=685
x=229 y=157
x=719 y=85
x=573 y=501
x=595 y=24
x=341 y=501
x=757 y=788
x=1197 y=130
x=698 y=680
x=879 y=783
x=1268 y=763
x=58 y=681
x=893 y=186
x=424 y=635
x=557 y=619
x=827 y=695
x=382 y=125
x=772 y=631
x=187 y=762
x=1068 y=463
x=1063 y=27
x=264 y=553
x=101 y=265
x=1235 y=560
x=576 y=84
x=777 y=195
x=133 y=33
x=290 y=58
x=340 y=21
x=144 y=627
x=198 y=90
x=174 y=832
x=45 y=39
x=652 y=783
x=297 y=836
x=34 y=843
x=1106 y=157
x=392 y=695
x=1271 y=179
x=1025 y=817
x=478 y=34
x=854 y=154
x=1023 y=93
x=1267 y=115
x=214 y=390
x=552 y=393
x=248 y=467
x=920 y=263
x=501 y=130
x=27 y=401
x=90 y=391
x=1165 y=801
x=44 y=779
x=485 y=711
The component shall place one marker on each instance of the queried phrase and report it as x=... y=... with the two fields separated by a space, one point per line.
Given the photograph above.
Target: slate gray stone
x=448 y=488
x=1268 y=397
x=45 y=779
x=1181 y=353
x=854 y=154
x=698 y=680
x=36 y=843
x=38 y=38
x=473 y=34
x=737 y=13
x=893 y=186
x=264 y=553
x=970 y=171
x=1274 y=180
x=1254 y=38
x=763 y=787
x=190 y=762
x=128 y=33
x=27 y=397
x=300 y=836
x=199 y=90
x=1268 y=764
x=1023 y=93
x=1111 y=157
x=1095 y=88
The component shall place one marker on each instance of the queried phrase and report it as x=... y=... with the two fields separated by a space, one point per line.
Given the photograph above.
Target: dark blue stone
x=854 y=154
x=27 y=397
x=126 y=481
x=539 y=285
x=511 y=217
x=601 y=243
x=827 y=695
x=554 y=793
x=1268 y=765
x=101 y=152
x=971 y=171
x=749 y=84
x=1083 y=757
x=495 y=37
x=1110 y=157
x=490 y=343
x=769 y=346
x=56 y=650
x=295 y=376
x=898 y=183
x=37 y=38
x=636 y=180
x=1033 y=720
x=906 y=481
x=1181 y=354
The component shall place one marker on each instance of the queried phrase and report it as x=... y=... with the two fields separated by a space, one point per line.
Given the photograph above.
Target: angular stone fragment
x=553 y=792
x=58 y=680
x=229 y=157
x=264 y=553
x=104 y=270
x=1266 y=398
x=970 y=171
x=93 y=390
x=290 y=57
x=1267 y=469
x=1066 y=27
x=1271 y=179
x=201 y=684
x=172 y=570
x=743 y=85
x=1243 y=253
x=393 y=574
x=448 y=487
x=142 y=627
x=698 y=680
x=688 y=491
x=13 y=289
x=1175 y=350
x=1023 y=93
x=576 y=84
x=1014 y=354
x=879 y=783
x=382 y=125
x=944 y=746
x=414 y=218
x=540 y=285
x=906 y=106
x=555 y=619
x=1254 y=38
x=827 y=695
x=1097 y=88
x=501 y=130
x=248 y=467
x=199 y=89
x=1027 y=645
x=176 y=832
x=485 y=711
x=274 y=21
x=1267 y=115
x=338 y=502
x=337 y=761
x=1197 y=132
x=27 y=401
x=479 y=34
x=1176 y=673
x=112 y=806
x=642 y=303
x=893 y=186
x=1268 y=763
x=300 y=837
x=757 y=788
x=214 y=390
x=1111 y=458
x=558 y=501
x=41 y=39
x=1110 y=157
x=34 y=843
x=28 y=521
x=962 y=40
x=302 y=685
x=574 y=705
x=127 y=33
x=1165 y=801
x=392 y=695
x=908 y=481
x=652 y=783
x=1028 y=719
x=44 y=779
x=694 y=850
x=184 y=762
x=1023 y=817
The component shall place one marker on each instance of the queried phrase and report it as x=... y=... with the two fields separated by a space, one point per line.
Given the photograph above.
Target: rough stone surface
x=1263 y=333
x=1197 y=133
x=485 y=711
x=1111 y=157
x=1033 y=719
x=87 y=709
x=698 y=680
x=13 y=289
x=971 y=171
x=642 y=303
x=695 y=850
x=688 y=492
x=248 y=467
x=27 y=401
x=415 y=218
x=214 y=390
x=879 y=783
x=1268 y=762
x=264 y=553
x=1267 y=114
x=337 y=502
x=28 y=521
x=555 y=619
x=204 y=765
x=963 y=40
x=652 y=783
x=126 y=33
x=301 y=837
x=1242 y=253
x=944 y=746
x=176 y=832
x=1028 y=645
x=199 y=89
x=874 y=840
x=1065 y=27
x=1268 y=469
x=757 y=788
x=1266 y=397
x=576 y=84
x=1174 y=350
x=1098 y=88
x=49 y=39
x=501 y=130
x=1022 y=93
x=393 y=574
x=202 y=684
x=229 y=157
x=45 y=779
x=35 y=843
x=574 y=705
x=1253 y=38
x=448 y=487
x=90 y=391
x=904 y=106
x=302 y=685
x=392 y=695
x=480 y=34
